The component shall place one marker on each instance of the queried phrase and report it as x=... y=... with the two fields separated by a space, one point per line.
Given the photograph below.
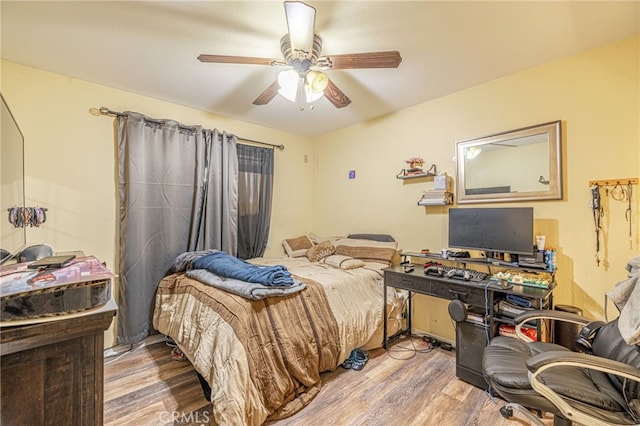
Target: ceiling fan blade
x=236 y=59
x=301 y=20
x=335 y=95
x=268 y=94
x=390 y=59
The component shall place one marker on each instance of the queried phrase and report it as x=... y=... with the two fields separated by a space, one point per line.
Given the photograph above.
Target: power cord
x=413 y=349
x=117 y=355
x=486 y=313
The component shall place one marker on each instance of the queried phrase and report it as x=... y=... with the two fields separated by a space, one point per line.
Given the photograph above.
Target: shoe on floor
x=361 y=358
x=357 y=359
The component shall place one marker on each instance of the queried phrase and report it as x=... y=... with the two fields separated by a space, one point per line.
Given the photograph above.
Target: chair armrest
x=527 y=316
x=549 y=360
x=552 y=315
x=553 y=359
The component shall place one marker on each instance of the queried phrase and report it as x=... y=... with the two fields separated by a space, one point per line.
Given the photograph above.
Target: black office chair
x=600 y=386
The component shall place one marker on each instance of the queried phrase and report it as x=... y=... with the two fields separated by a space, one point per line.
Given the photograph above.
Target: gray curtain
x=176 y=193
x=255 y=189
x=216 y=214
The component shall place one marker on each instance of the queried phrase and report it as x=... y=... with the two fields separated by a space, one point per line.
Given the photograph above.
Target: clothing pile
x=626 y=297
x=221 y=270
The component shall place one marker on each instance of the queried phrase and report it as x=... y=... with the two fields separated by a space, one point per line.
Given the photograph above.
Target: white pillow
x=342 y=262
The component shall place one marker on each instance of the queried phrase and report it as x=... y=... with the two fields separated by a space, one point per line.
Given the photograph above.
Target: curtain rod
x=107 y=111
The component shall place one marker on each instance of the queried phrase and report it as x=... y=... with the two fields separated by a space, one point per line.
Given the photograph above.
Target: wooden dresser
x=52 y=372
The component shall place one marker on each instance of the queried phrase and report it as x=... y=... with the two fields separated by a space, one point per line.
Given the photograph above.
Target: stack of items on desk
x=531 y=280
x=440 y=194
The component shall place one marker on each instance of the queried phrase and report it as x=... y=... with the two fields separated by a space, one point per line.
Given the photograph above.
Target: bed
x=262 y=358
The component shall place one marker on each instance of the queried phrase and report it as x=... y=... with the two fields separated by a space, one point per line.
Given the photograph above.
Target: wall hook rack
x=614 y=182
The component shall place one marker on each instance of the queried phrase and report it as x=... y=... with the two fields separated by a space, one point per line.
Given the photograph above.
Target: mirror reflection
x=523 y=164
x=12 y=189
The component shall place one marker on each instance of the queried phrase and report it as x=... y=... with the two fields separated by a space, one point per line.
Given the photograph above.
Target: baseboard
x=121 y=349
x=421 y=333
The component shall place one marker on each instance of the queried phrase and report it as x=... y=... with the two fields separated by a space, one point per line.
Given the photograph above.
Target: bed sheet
x=263 y=359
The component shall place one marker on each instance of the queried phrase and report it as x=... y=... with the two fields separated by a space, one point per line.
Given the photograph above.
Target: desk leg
x=409 y=314
x=384 y=319
x=407 y=331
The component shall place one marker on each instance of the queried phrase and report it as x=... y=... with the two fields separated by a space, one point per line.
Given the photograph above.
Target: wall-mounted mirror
x=12 y=239
x=518 y=165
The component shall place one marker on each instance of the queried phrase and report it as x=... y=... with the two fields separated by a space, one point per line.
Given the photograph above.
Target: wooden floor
x=407 y=385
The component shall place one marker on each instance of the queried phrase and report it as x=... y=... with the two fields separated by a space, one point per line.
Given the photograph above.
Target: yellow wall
x=70 y=160
x=595 y=94
x=70 y=164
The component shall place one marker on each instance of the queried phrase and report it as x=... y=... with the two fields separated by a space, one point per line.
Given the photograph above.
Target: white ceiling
x=150 y=48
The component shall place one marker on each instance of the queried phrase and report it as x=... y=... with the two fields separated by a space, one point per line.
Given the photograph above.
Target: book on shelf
x=476 y=316
x=511 y=310
x=436 y=197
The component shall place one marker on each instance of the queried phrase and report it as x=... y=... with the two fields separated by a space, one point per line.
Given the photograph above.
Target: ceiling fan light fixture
x=288 y=81
x=317 y=81
x=310 y=95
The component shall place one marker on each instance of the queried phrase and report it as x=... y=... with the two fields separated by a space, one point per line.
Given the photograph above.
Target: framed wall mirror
x=518 y=165
x=12 y=194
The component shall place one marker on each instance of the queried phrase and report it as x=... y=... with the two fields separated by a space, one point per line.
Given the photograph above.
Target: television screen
x=504 y=230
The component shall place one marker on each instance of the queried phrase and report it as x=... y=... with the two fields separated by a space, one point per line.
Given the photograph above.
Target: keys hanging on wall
x=22 y=217
x=618 y=190
x=598 y=212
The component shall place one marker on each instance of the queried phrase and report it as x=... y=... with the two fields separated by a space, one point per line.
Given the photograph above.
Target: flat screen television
x=504 y=230
x=12 y=239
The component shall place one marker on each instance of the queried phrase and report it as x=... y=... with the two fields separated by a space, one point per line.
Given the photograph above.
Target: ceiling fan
x=301 y=51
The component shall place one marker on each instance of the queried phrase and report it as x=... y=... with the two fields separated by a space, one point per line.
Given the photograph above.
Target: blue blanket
x=252 y=291
x=225 y=265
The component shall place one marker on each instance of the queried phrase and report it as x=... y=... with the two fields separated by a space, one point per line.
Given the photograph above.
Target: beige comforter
x=263 y=359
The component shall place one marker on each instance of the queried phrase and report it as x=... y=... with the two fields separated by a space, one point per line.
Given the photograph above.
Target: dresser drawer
x=409 y=281
x=469 y=292
x=466 y=293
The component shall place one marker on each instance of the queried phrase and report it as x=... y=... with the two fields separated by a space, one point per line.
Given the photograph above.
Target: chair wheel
x=507 y=412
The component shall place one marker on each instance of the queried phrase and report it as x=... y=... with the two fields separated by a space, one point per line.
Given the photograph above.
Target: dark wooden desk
x=52 y=372
x=474 y=293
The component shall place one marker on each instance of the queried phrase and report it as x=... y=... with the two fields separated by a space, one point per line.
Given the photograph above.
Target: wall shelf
x=436 y=198
x=405 y=174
